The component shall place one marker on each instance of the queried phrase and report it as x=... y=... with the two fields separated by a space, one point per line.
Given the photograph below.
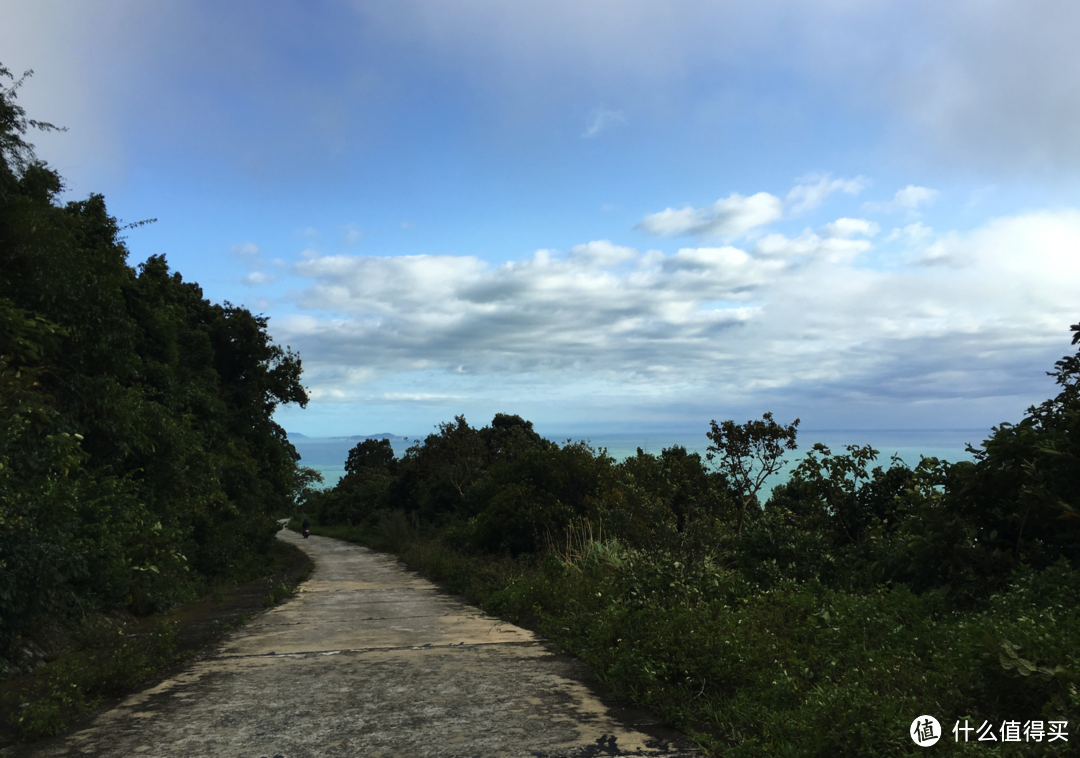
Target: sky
x=603 y=216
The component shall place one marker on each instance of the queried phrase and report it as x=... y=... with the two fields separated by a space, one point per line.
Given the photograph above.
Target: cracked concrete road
x=369 y=659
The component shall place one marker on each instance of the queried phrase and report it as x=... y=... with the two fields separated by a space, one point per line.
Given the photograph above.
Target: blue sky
x=603 y=216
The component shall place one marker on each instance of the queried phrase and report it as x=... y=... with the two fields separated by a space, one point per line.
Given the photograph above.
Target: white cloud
x=843 y=228
x=807 y=196
x=793 y=313
x=258 y=277
x=912 y=196
x=909 y=198
x=831 y=247
x=361 y=284
x=914 y=233
x=247 y=250
x=728 y=217
x=251 y=255
x=716 y=274
x=600 y=119
x=603 y=253
x=418 y=397
x=1035 y=252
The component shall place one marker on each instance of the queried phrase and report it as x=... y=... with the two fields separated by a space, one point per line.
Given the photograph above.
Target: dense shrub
x=138 y=453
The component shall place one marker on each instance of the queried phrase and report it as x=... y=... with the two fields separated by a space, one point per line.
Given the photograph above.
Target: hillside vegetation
x=139 y=461
x=819 y=623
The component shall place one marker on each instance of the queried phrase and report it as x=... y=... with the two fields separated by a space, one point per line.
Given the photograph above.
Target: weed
x=277 y=594
x=395 y=531
x=77 y=683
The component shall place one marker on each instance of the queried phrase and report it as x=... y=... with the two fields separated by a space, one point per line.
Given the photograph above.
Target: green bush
x=139 y=458
x=78 y=682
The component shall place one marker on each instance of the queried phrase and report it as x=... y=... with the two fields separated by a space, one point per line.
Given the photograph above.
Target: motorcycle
x=306 y=531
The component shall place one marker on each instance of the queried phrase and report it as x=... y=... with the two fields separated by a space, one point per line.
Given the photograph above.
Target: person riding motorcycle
x=306 y=528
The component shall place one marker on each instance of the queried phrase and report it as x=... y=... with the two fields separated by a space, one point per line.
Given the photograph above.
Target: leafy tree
x=440 y=473
x=748 y=454
x=833 y=487
x=306 y=479
x=511 y=435
x=136 y=434
x=1016 y=504
x=1036 y=464
x=681 y=482
x=17 y=155
x=371 y=454
x=524 y=499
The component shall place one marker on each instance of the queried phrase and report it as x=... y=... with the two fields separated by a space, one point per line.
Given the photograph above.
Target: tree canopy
x=138 y=451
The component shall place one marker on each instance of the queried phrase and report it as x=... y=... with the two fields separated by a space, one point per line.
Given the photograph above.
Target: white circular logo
x=925 y=731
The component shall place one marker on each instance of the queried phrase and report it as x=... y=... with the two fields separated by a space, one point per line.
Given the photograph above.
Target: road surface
x=369 y=659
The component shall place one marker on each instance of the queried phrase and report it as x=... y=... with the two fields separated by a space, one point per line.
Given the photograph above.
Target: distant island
x=350 y=438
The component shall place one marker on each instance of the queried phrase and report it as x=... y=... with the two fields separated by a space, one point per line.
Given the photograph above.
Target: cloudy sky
x=602 y=215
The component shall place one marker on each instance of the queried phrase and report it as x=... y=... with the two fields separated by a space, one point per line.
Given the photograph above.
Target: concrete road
x=369 y=659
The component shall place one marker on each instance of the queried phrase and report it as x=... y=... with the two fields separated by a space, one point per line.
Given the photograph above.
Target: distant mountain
x=351 y=437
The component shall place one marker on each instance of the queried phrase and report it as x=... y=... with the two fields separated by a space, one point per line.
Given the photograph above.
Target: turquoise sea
x=327 y=455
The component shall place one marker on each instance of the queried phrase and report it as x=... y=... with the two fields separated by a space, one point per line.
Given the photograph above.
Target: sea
x=328 y=455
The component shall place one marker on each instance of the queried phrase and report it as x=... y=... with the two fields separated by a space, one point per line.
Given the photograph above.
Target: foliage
x=277 y=593
x=371 y=454
x=138 y=454
x=965 y=528
x=13 y=125
x=78 y=683
x=749 y=453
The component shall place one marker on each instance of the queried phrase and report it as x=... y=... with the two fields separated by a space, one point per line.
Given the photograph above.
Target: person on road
x=305 y=528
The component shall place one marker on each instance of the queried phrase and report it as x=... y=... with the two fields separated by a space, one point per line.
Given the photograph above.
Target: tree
x=137 y=439
x=749 y=454
x=839 y=485
x=509 y=436
x=13 y=122
x=965 y=527
x=457 y=454
x=371 y=453
x=1021 y=492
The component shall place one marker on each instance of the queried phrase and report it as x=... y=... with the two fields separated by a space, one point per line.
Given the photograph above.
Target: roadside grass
x=221 y=627
x=279 y=592
x=797 y=669
x=78 y=682
x=105 y=662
